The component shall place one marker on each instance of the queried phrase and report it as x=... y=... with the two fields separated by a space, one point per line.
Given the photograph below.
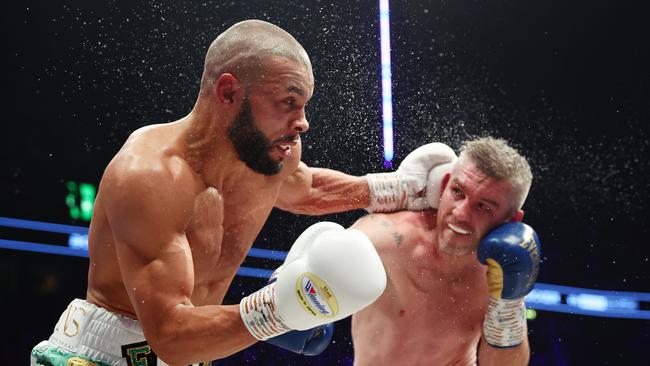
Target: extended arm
x=317 y=191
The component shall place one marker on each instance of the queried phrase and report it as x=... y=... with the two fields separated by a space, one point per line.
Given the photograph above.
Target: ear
x=226 y=86
x=518 y=216
x=445 y=181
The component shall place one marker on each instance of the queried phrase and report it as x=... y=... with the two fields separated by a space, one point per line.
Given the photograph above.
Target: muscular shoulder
x=148 y=155
x=148 y=182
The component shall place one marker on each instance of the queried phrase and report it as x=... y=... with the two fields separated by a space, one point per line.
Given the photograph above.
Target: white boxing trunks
x=87 y=335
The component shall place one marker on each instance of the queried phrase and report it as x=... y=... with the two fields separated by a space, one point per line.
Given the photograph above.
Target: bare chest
x=428 y=299
x=420 y=302
x=220 y=234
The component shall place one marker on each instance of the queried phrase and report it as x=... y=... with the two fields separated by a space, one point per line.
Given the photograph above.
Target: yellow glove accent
x=495 y=278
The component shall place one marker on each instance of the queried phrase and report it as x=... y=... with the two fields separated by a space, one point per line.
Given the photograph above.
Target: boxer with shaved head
x=181 y=203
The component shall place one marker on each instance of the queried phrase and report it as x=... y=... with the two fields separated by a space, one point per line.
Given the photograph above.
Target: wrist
x=387 y=193
x=505 y=322
x=258 y=312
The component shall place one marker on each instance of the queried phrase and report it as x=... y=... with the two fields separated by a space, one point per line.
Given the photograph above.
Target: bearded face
x=250 y=143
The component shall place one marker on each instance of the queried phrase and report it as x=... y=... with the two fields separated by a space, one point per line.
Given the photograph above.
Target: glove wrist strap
x=505 y=322
x=387 y=193
x=257 y=310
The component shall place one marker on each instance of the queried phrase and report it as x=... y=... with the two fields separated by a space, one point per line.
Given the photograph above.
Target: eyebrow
x=297 y=90
x=486 y=200
x=493 y=203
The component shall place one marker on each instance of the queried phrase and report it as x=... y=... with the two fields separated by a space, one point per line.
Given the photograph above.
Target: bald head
x=245 y=49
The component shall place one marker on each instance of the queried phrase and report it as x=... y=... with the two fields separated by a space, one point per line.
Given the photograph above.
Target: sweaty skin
x=432 y=310
x=177 y=211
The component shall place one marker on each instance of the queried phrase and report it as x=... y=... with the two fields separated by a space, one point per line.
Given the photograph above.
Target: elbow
x=167 y=350
x=297 y=209
x=307 y=210
x=166 y=343
x=169 y=346
x=312 y=205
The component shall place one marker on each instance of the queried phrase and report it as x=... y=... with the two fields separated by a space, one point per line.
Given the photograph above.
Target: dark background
x=566 y=82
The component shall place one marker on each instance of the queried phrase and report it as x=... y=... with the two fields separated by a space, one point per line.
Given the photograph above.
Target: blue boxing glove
x=310 y=342
x=512 y=254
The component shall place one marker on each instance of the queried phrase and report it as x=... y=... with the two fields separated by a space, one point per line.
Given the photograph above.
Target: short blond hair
x=497 y=159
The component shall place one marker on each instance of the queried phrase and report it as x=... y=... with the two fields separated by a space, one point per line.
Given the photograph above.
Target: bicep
x=157 y=274
x=148 y=224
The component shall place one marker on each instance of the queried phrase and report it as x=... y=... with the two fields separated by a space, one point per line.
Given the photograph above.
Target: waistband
x=89 y=330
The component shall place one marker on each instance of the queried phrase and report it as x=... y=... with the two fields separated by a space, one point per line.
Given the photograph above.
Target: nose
x=461 y=210
x=300 y=125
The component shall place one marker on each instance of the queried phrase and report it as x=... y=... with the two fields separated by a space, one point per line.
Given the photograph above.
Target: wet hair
x=244 y=49
x=498 y=160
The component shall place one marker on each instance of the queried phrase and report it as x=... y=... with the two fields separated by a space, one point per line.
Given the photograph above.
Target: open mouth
x=457 y=229
x=285 y=149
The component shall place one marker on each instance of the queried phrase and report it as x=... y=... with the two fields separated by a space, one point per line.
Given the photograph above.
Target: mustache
x=288 y=138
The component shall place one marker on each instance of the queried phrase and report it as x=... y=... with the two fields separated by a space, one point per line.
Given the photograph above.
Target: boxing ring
x=544 y=297
x=452 y=83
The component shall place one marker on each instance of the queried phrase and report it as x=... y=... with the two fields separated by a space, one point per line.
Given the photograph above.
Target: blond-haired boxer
x=456 y=275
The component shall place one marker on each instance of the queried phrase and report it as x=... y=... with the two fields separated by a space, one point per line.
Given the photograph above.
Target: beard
x=250 y=143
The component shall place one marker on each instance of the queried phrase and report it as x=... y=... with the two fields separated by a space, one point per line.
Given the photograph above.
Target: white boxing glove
x=434 y=182
x=331 y=274
x=304 y=241
x=406 y=188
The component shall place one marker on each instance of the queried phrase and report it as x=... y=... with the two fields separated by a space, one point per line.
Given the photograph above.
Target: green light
x=531 y=314
x=71 y=200
x=74 y=213
x=80 y=200
x=87 y=192
x=72 y=186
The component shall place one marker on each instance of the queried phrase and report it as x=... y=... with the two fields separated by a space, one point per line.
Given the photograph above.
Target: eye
x=291 y=101
x=456 y=192
x=484 y=207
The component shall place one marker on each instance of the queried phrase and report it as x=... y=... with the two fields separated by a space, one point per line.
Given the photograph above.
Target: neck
x=457 y=267
x=208 y=150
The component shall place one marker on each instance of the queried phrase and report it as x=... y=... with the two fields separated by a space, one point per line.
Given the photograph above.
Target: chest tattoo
x=398 y=238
